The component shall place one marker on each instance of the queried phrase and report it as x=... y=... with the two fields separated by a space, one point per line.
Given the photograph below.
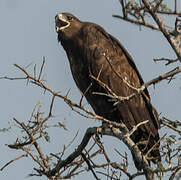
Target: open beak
x=61 y=22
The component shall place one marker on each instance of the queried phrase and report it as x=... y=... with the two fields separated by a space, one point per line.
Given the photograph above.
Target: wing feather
x=110 y=61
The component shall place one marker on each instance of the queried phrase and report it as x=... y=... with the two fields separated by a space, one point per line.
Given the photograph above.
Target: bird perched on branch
x=103 y=70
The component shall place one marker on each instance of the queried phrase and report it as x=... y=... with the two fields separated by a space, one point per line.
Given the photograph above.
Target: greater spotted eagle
x=101 y=66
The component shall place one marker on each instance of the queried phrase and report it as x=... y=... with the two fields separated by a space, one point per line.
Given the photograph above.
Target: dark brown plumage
x=93 y=52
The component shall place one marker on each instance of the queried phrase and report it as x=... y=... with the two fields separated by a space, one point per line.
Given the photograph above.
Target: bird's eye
x=69 y=18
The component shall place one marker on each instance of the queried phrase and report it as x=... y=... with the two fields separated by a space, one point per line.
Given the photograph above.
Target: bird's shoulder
x=94 y=31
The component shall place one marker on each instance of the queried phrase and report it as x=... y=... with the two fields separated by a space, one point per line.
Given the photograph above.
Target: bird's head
x=67 y=25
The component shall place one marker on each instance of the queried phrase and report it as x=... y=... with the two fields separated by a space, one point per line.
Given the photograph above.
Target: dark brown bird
x=94 y=53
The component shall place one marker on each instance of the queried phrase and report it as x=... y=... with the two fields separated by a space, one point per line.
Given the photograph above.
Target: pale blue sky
x=27 y=32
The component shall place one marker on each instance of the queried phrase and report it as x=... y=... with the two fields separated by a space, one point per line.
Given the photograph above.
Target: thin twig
x=137 y=126
x=41 y=69
x=169 y=61
x=138 y=22
x=15 y=159
x=89 y=166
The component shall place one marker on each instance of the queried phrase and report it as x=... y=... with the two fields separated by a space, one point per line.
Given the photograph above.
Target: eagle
x=102 y=69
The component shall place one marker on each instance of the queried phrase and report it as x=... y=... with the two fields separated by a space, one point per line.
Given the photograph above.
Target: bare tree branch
x=122 y=135
x=137 y=22
x=162 y=28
